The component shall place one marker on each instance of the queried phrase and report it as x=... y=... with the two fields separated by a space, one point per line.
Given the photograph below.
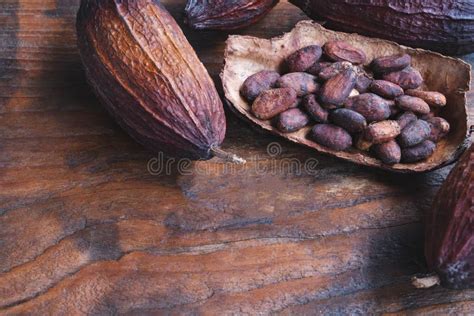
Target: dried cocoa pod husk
x=433 y=98
x=449 y=227
x=225 y=14
x=246 y=55
x=148 y=76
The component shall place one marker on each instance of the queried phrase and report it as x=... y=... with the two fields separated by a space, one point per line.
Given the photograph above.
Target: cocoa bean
x=418 y=152
x=434 y=99
x=331 y=136
x=363 y=82
x=257 y=83
x=391 y=63
x=439 y=128
x=371 y=106
x=351 y=121
x=343 y=51
x=408 y=78
x=405 y=119
x=301 y=82
x=386 y=89
x=389 y=152
x=272 y=102
x=361 y=143
x=381 y=132
x=317 y=67
x=314 y=109
x=303 y=58
x=414 y=133
x=414 y=104
x=337 y=89
x=333 y=69
x=394 y=109
x=292 y=120
x=296 y=104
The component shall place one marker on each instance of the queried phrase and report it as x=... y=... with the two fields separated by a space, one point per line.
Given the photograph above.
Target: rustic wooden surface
x=85 y=228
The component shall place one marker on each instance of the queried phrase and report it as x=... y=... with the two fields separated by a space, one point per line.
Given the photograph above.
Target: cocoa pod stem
x=226 y=156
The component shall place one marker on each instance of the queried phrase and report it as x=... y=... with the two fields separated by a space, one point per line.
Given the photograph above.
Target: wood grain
x=85 y=228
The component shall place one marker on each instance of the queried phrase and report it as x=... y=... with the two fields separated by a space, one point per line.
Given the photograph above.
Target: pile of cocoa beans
x=378 y=108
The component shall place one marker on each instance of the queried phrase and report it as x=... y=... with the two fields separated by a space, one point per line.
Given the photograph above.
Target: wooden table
x=85 y=228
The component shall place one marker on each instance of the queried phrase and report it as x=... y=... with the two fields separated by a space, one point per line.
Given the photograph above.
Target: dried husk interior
x=245 y=55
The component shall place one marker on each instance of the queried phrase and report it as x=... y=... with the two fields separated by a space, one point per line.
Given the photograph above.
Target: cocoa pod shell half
x=225 y=14
x=245 y=55
x=142 y=68
x=449 y=227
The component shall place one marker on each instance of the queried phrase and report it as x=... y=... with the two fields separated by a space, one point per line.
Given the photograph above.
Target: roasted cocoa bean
x=386 y=89
x=292 y=120
x=434 y=99
x=414 y=104
x=333 y=69
x=317 y=67
x=363 y=82
x=371 y=106
x=389 y=152
x=391 y=63
x=343 y=51
x=351 y=121
x=314 y=109
x=257 y=83
x=439 y=128
x=406 y=118
x=408 y=78
x=301 y=82
x=331 y=136
x=418 y=152
x=414 y=133
x=303 y=58
x=381 y=132
x=273 y=102
x=337 y=89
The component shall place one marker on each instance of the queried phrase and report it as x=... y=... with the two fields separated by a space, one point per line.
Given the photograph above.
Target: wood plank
x=86 y=228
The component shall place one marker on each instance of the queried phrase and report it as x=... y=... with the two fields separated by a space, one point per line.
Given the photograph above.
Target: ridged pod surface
x=446 y=26
x=148 y=76
x=226 y=14
x=449 y=240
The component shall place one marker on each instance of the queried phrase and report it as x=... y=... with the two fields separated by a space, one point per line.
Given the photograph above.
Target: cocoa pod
x=314 y=109
x=351 y=121
x=146 y=74
x=386 y=89
x=292 y=120
x=343 y=51
x=335 y=68
x=414 y=104
x=406 y=118
x=389 y=152
x=445 y=26
x=317 y=67
x=408 y=78
x=331 y=136
x=301 y=82
x=337 y=89
x=449 y=227
x=414 y=133
x=371 y=106
x=257 y=83
x=418 y=152
x=439 y=128
x=434 y=99
x=225 y=14
x=392 y=63
x=272 y=102
x=381 y=132
x=303 y=58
